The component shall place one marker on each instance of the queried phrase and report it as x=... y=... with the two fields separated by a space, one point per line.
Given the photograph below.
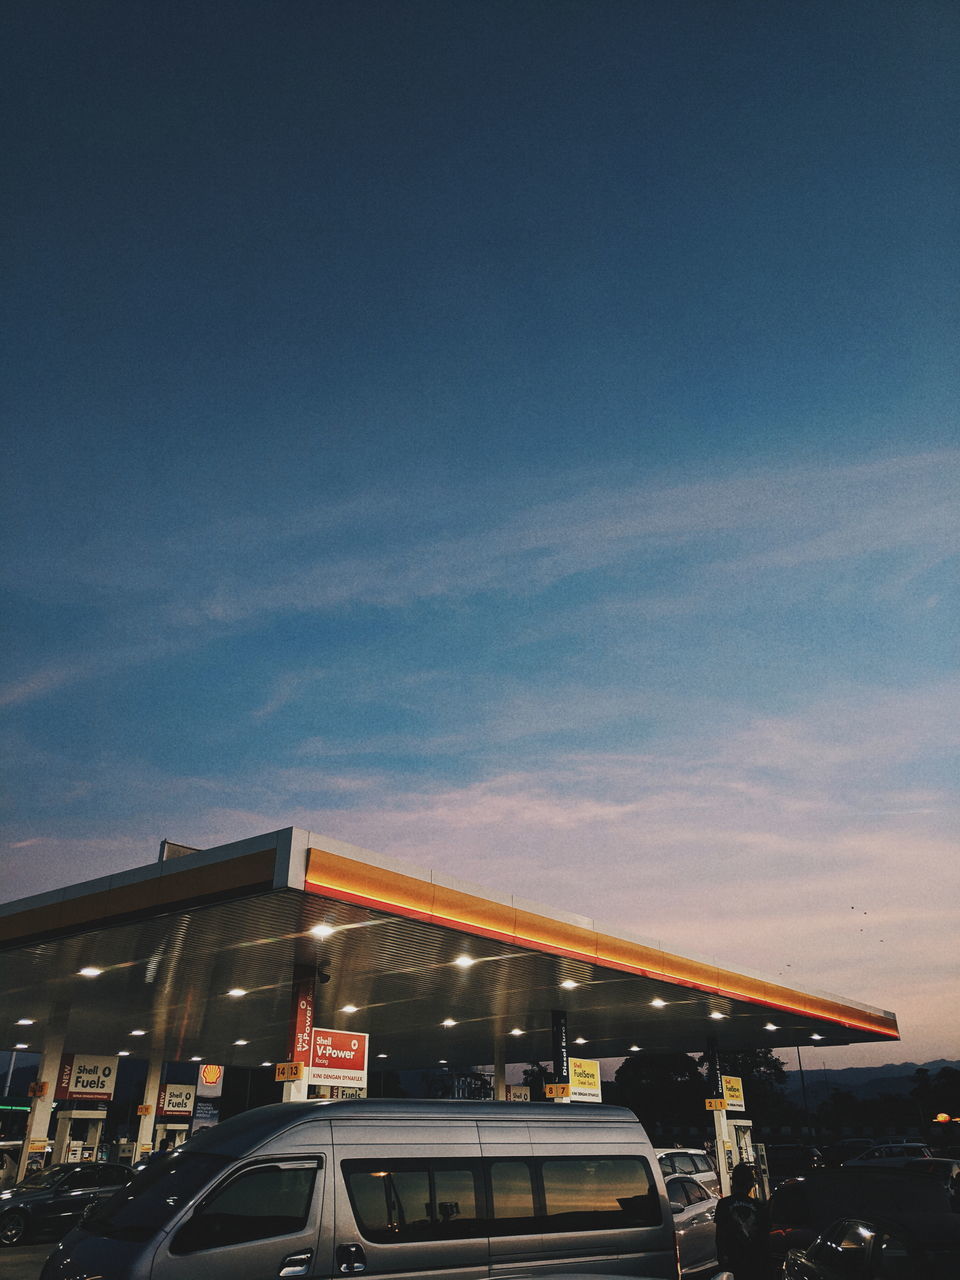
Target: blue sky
x=520 y=437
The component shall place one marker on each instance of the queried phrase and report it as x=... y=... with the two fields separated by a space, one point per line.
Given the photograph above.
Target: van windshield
x=154 y=1197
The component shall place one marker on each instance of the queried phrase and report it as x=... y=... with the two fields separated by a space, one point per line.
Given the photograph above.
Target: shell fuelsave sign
x=338 y=1058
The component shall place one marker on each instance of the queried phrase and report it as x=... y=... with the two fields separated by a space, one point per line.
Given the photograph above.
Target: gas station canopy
x=195 y=956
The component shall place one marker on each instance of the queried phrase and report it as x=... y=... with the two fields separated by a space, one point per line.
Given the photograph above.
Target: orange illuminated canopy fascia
x=343 y=879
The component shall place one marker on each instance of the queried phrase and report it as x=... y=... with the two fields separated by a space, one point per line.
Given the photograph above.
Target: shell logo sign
x=211 y=1074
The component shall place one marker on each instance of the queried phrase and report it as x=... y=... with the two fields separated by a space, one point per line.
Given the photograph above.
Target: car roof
x=937 y=1229
x=853 y=1191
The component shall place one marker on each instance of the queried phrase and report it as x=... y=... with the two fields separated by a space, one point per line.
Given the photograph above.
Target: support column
x=499 y=1070
x=41 y=1108
x=151 y=1095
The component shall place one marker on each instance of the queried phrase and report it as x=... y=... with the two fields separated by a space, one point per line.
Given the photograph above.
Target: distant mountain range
x=862 y=1082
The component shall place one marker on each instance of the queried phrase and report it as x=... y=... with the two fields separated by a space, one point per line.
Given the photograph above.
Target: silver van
x=445 y=1190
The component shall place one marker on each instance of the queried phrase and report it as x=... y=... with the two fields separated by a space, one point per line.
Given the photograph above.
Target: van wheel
x=14 y=1228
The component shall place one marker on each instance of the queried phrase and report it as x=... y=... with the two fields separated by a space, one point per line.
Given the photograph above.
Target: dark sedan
x=50 y=1201
x=907 y=1247
x=800 y=1210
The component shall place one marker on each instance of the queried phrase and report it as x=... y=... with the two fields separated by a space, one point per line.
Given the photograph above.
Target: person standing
x=743 y=1243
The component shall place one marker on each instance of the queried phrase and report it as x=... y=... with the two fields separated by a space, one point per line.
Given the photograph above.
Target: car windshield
x=154 y=1197
x=41 y=1178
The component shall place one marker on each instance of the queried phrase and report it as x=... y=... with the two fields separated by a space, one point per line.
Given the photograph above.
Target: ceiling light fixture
x=236 y=991
x=25 y=1022
x=348 y=1008
x=658 y=1003
x=123 y=1053
x=241 y=1042
x=322 y=930
x=517 y=1031
x=771 y=1026
x=464 y=962
x=579 y=1040
x=448 y=1022
x=568 y=984
x=717 y=1016
x=816 y=1037
x=89 y=971
x=138 y=1032
x=634 y=1048
x=382 y=1055
x=21 y=1046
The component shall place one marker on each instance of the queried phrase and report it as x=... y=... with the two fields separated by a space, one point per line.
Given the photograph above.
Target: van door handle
x=351 y=1259
x=296 y=1264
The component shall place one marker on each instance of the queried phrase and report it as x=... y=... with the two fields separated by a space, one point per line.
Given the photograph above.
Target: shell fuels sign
x=338 y=1058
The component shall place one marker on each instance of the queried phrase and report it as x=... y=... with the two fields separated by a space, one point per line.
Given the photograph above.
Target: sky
x=516 y=437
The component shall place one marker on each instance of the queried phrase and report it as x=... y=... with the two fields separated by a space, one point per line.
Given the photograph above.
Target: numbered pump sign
x=338 y=1058
x=86 y=1076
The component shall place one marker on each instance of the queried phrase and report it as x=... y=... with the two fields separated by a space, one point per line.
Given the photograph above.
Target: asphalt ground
x=24 y=1262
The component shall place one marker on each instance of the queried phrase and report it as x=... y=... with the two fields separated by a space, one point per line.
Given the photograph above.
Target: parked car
x=9 y=1159
x=50 y=1201
x=791 y=1160
x=892 y=1154
x=900 y=1247
x=801 y=1209
x=692 y=1162
x=694 y=1208
x=845 y=1149
x=947 y=1172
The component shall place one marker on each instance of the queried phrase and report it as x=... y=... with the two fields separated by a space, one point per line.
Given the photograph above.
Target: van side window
x=396 y=1201
x=513 y=1208
x=261 y=1202
x=598 y=1193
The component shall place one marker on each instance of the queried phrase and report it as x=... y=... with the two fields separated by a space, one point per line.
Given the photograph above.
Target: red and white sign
x=176 y=1099
x=301 y=1028
x=338 y=1058
x=89 y=1076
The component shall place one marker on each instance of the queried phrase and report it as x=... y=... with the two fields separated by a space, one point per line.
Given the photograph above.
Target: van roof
x=262 y=1123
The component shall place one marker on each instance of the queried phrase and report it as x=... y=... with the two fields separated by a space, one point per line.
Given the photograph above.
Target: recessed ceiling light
x=25 y=1022
x=771 y=1026
x=266 y=1064
x=816 y=1037
x=195 y=1059
x=464 y=962
x=138 y=1032
x=236 y=991
x=381 y=1055
x=568 y=984
x=717 y=1015
x=90 y=972
x=448 y=1022
x=123 y=1053
x=241 y=1042
x=442 y=1060
x=348 y=1008
x=579 y=1040
x=21 y=1046
x=322 y=930
x=634 y=1048
x=658 y=1003
x=517 y=1031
